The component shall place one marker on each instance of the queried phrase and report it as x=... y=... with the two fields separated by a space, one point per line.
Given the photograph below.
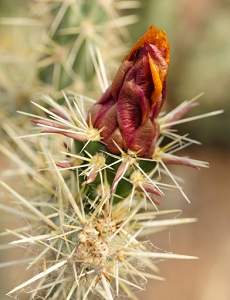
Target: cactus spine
x=86 y=207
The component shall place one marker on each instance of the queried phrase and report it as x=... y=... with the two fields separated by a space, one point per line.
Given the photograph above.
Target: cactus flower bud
x=129 y=108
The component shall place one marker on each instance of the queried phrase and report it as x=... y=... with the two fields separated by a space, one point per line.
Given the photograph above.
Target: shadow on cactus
x=101 y=189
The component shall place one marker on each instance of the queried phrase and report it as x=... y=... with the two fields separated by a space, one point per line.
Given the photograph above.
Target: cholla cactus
x=100 y=191
x=73 y=32
x=53 y=46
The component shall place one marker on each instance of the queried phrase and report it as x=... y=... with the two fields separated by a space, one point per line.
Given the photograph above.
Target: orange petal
x=158 y=82
x=153 y=36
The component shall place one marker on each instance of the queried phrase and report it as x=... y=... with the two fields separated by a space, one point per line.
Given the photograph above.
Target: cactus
x=51 y=46
x=94 y=176
x=73 y=33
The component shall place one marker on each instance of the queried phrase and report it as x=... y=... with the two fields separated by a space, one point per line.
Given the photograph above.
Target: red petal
x=132 y=108
x=75 y=136
x=179 y=161
x=142 y=139
x=63 y=164
x=48 y=123
x=124 y=166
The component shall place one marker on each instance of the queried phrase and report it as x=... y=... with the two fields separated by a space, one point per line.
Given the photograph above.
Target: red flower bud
x=129 y=108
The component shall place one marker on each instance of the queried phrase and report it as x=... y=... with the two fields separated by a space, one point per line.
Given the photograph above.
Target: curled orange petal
x=153 y=36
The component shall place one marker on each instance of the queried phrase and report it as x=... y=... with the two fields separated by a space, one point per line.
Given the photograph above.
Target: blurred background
x=199 y=35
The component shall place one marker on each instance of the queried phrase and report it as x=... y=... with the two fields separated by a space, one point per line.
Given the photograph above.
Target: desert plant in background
x=52 y=46
x=74 y=31
x=94 y=170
